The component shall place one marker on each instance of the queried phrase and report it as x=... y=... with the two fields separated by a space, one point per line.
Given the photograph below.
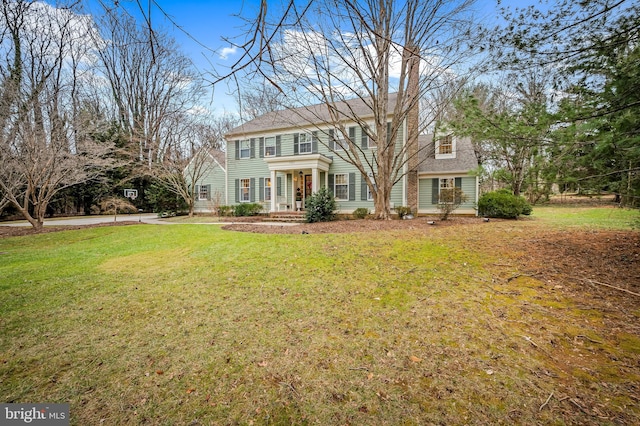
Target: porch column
x=274 y=191
x=315 y=180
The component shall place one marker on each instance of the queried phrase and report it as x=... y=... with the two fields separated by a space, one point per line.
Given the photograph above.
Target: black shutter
x=197 y=193
x=261 y=190
x=278 y=146
x=253 y=148
x=314 y=142
x=261 y=152
x=352 y=186
x=208 y=192
x=457 y=194
x=331 y=184
x=296 y=142
x=252 y=191
x=279 y=188
x=435 y=189
x=364 y=140
x=331 y=140
x=237 y=190
x=237 y=150
x=352 y=135
x=363 y=188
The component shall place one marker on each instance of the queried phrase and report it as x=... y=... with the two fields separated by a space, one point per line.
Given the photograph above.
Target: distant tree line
x=91 y=105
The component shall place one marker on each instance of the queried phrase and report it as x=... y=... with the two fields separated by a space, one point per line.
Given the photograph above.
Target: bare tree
x=200 y=153
x=44 y=145
x=327 y=52
x=259 y=100
x=151 y=83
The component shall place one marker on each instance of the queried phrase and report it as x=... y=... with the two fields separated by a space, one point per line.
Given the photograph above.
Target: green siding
x=256 y=167
x=215 y=179
x=426 y=188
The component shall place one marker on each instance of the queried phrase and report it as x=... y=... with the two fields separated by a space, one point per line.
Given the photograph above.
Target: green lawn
x=587 y=217
x=190 y=324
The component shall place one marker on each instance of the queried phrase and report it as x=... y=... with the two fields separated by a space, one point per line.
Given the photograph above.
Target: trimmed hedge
x=247 y=209
x=503 y=204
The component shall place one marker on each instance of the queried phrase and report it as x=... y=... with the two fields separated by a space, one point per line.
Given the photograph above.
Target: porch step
x=287 y=217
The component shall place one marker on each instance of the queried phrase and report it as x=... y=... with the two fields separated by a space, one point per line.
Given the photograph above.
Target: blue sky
x=204 y=23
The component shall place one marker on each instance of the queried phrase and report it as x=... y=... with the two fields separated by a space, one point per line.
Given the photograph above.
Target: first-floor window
x=203 y=193
x=267 y=189
x=369 y=193
x=341 y=187
x=447 y=186
x=245 y=189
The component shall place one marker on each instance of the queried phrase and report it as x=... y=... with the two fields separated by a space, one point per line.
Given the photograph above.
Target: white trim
x=240 y=149
x=453 y=148
x=335 y=184
x=240 y=188
x=308 y=139
x=264 y=147
x=305 y=161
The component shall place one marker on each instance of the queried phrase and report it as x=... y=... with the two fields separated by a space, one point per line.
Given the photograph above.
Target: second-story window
x=245 y=149
x=338 y=139
x=305 y=143
x=269 y=147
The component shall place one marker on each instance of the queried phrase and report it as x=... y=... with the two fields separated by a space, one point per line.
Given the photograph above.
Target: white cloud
x=226 y=52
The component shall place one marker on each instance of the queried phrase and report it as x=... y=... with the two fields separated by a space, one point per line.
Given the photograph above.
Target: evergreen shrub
x=503 y=204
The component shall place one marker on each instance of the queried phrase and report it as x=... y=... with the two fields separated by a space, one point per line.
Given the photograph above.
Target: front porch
x=296 y=177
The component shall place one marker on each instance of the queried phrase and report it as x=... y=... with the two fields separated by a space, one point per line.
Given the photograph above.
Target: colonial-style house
x=273 y=157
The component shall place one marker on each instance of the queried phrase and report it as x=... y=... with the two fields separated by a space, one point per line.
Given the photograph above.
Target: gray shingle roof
x=219 y=156
x=465 y=157
x=309 y=115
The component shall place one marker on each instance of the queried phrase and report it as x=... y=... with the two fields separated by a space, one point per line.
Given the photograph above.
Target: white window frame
x=338 y=140
x=369 y=193
x=267 y=189
x=308 y=139
x=445 y=183
x=370 y=144
x=270 y=146
x=344 y=184
x=203 y=189
x=245 y=191
x=439 y=146
x=245 y=149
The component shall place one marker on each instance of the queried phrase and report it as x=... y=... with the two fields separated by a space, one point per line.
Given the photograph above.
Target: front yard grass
x=194 y=325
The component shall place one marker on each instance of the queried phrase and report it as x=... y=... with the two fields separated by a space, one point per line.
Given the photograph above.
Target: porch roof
x=304 y=161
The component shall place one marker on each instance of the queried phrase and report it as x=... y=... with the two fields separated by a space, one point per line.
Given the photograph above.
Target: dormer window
x=445 y=147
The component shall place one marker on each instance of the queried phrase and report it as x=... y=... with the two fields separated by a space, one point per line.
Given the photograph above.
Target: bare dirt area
x=349 y=226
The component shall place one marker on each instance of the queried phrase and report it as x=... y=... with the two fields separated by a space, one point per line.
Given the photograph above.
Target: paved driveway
x=91 y=220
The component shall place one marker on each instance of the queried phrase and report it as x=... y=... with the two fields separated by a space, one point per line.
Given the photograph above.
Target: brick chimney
x=412 y=57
